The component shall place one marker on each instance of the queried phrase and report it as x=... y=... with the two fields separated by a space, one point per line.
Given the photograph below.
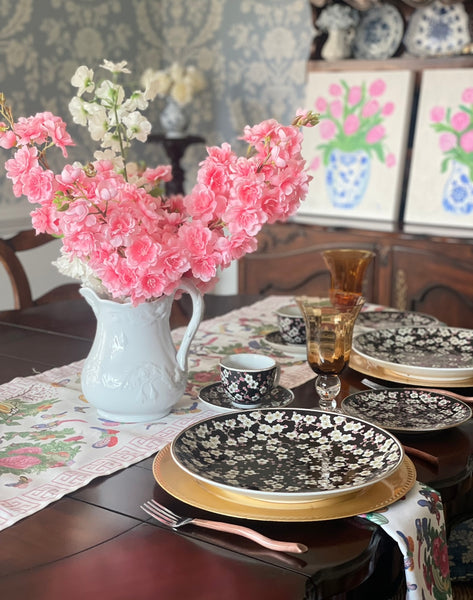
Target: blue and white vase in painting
x=347 y=177
x=457 y=195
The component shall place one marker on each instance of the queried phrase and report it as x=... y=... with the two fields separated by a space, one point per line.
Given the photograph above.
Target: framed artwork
x=440 y=191
x=356 y=154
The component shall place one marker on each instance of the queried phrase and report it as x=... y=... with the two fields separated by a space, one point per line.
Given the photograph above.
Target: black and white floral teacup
x=248 y=378
x=291 y=324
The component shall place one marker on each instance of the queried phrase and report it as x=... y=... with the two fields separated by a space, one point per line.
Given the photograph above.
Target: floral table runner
x=52 y=442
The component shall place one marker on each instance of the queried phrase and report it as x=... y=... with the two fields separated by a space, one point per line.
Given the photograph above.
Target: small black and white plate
x=275 y=340
x=408 y=410
x=214 y=395
x=384 y=319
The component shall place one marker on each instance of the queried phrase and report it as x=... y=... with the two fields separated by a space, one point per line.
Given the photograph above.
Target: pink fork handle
x=260 y=539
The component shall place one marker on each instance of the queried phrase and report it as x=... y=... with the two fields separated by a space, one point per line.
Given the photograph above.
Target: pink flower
x=336 y=108
x=19 y=462
x=466 y=141
x=370 y=109
x=388 y=109
x=321 y=104
x=375 y=134
x=447 y=141
x=335 y=89
x=377 y=88
x=38 y=185
x=7 y=137
x=351 y=125
x=390 y=160
x=354 y=95
x=437 y=114
x=467 y=95
x=460 y=121
x=327 y=129
x=315 y=163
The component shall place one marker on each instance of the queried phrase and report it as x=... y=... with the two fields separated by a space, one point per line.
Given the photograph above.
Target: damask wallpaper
x=253 y=54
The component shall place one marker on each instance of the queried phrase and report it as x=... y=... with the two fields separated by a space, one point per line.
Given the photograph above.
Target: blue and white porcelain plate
x=437 y=30
x=214 y=395
x=287 y=455
x=444 y=353
x=379 y=33
x=408 y=410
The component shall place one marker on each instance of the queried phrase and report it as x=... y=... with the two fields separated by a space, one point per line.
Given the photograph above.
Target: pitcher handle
x=191 y=330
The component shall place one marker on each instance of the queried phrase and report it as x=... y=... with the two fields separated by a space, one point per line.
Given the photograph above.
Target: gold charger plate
x=186 y=488
x=363 y=365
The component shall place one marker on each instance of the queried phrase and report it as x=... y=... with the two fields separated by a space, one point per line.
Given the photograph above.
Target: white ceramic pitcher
x=133 y=372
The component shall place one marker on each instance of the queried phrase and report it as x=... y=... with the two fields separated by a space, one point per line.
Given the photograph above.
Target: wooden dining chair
x=22 y=294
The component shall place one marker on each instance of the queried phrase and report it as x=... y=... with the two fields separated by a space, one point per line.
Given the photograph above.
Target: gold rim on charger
x=186 y=488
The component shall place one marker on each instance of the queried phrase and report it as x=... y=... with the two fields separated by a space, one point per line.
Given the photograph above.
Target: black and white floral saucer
x=275 y=340
x=214 y=395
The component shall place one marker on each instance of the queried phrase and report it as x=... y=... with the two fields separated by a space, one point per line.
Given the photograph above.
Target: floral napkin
x=416 y=523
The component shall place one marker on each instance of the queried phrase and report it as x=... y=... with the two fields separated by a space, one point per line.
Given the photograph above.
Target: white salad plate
x=407 y=410
x=287 y=455
x=434 y=353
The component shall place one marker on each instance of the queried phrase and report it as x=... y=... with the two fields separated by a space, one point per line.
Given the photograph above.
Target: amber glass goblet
x=347 y=271
x=329 y=334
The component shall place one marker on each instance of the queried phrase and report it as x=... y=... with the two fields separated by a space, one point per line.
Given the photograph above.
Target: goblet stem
x=328 y=387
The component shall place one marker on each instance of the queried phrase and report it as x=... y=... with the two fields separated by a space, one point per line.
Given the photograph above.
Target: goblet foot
x=328 y=387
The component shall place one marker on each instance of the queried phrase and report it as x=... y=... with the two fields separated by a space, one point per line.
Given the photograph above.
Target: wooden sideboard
x=429 y=274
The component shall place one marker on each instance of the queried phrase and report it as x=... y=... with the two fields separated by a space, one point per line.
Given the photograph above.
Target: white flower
x=137 y=126
x=113 y=157
x=115 y=67
x=136 y=101
x=74 y=267
x=83 y=79
x=98 y=122
x=178 y=82
x=78 y=111
x=110 y=93
x=156 y=83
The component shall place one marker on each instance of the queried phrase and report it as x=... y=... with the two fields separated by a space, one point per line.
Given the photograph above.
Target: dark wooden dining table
x=97 y=542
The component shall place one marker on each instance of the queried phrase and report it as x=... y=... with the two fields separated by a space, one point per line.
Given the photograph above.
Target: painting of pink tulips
x=440 y=192
x=357 y=155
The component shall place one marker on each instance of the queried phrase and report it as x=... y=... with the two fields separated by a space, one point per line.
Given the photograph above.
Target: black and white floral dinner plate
x=386 y=319
x=408 y=410
x=287 y=455
x=214 y=395
x=437 y=353
x=275 y=340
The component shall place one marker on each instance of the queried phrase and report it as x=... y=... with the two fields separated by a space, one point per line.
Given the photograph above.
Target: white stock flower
x=98 y=123
x=83 y=79
x=115 y=67
x=136 y=101
x=111 y=94
x=111 y=156
x=78 y=111
x=137 y=126
x=111 y=140
x=74 y=267
x=181 y=92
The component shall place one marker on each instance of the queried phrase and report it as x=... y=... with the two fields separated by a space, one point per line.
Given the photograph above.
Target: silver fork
x=167 y=517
